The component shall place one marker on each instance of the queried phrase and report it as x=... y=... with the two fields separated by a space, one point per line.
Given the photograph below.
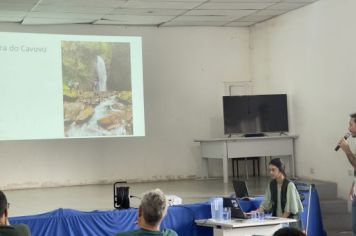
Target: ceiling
x=160 y=13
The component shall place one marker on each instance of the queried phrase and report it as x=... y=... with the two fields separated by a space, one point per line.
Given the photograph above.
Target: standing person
x=5 y=228
x=281 y=197
x=344 y=145
x=151 y=212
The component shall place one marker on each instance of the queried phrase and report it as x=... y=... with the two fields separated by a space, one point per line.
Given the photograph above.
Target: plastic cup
x=268 y=214
x=253 y=215
x=260 y=215
x=216 y=208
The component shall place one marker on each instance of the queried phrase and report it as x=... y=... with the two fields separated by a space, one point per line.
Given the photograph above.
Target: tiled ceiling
x=161 y=13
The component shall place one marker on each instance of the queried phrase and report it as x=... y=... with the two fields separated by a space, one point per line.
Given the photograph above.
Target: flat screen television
x=255 y=114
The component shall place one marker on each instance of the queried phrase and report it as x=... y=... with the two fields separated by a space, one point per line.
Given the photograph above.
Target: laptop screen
x=240 y=188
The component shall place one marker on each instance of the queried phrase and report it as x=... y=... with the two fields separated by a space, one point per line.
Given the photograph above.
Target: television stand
x=254 y=135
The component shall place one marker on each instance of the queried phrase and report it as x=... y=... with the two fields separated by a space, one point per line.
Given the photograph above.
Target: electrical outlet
x=312 y=171
x=350 y=172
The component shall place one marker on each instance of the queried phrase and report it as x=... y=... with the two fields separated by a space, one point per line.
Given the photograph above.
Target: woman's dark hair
x=279 y=164
x=353 y=116
x=289 y=231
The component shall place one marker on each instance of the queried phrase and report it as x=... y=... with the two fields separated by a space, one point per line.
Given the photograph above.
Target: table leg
x=292 y=165
x=246 y=169
x=225 y=169
x=292 y=161
x=205 y=168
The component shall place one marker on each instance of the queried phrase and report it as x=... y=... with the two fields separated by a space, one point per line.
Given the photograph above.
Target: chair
x=236 y=160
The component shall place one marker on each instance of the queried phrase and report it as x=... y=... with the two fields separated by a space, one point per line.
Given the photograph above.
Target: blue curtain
x=68 y=222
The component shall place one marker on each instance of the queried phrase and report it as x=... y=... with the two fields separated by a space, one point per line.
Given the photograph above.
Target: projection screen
x=70 y=86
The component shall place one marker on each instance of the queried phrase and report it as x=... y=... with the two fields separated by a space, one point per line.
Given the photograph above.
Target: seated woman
x=281 y=197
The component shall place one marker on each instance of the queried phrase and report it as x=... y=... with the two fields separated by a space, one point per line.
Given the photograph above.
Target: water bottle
x=227 y=213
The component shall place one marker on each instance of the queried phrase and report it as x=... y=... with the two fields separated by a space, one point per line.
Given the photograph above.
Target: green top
x=144 y=232
x=293 y=204
x=15 y=230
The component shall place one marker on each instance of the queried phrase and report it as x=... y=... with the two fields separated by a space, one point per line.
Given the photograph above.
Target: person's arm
x=266 y=203
x=293 y=204
x=286 y=214
x=344 y=145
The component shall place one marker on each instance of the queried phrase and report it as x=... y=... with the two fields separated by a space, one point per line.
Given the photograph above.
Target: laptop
x=236 y=210
x=240 y=188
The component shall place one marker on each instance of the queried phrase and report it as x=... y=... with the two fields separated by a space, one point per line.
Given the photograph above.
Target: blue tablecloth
x=68 y=222
x=311 y=206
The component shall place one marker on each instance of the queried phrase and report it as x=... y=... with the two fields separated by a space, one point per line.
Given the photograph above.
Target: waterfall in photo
x=102 y=75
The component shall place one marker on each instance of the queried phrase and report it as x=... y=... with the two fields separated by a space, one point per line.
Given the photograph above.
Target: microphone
x=134 y=196
x=347 y=135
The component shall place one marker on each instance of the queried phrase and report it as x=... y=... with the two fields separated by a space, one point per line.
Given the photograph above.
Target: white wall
x=184 y=70
x=310 y=54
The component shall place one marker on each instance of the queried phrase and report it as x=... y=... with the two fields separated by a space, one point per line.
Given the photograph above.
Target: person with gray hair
x=151 y=212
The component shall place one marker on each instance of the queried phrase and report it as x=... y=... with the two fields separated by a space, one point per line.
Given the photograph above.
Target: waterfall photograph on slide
x=97 y=93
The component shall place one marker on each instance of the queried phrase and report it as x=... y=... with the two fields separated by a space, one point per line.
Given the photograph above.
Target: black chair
x=254 y=160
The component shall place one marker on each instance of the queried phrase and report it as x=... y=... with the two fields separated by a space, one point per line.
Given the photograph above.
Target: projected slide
x=68 y=86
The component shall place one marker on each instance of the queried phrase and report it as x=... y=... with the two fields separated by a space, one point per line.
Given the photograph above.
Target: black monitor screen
x=255 y=114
